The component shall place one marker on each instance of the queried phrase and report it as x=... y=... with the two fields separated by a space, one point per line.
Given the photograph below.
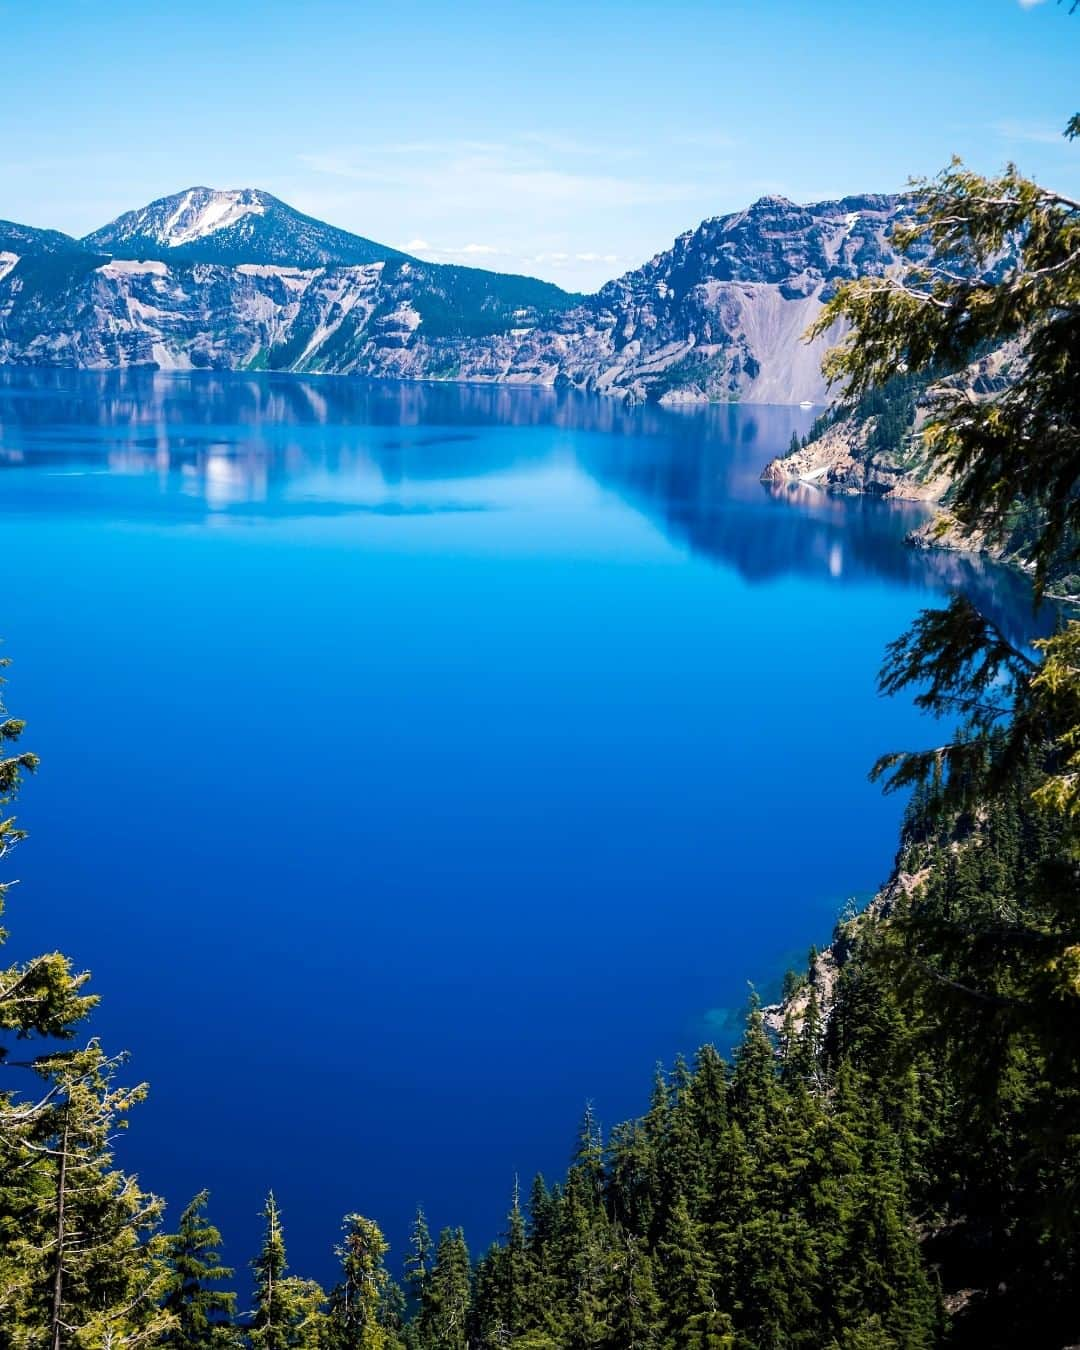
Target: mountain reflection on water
x=280 y=446
x=463 y=750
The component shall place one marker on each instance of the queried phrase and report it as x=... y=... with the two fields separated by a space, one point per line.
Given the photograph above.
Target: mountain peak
x=197 y=212
x=771 y=201
x=231 y=226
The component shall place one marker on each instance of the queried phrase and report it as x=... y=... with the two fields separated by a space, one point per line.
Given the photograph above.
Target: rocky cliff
x=238 y=280
x=875 y=447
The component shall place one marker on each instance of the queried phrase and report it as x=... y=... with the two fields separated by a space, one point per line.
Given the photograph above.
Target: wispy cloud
x=1030 y=4
x=566 y=207
x=421 y=246
x=706 y=140
x=572 y=146
x=476 y=175
x=1030 y=132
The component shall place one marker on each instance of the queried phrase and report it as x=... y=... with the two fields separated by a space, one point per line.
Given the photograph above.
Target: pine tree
x=588 y=1163
x=754 y=1082
x=95 y=1258
x=288 y=1311
x=362 y=1305
x=202 y=1313
x=444 y=1313
x=419 y=1260
x=515 y=1272
x=633 y=1304
x=691 y=1316
x=40 y=998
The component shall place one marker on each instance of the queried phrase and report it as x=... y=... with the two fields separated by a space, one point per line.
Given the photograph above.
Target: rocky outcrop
x=237 y=280
x=722 y=313
x=848 y=452
x=826 y=967
x=843 y=458
x=876 y=447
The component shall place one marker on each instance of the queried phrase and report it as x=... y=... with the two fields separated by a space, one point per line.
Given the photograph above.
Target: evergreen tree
x=202 y=1313
x=80 y=1259
x=419 y=1260
x=288 y=1311
x=692 y=1318
x=89 y=1245
x=633 y=1303
x=362 y=1308
x=444 y=1313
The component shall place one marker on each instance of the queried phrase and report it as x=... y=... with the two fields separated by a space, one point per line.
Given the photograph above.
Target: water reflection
x=532 y=750
x=285 y=446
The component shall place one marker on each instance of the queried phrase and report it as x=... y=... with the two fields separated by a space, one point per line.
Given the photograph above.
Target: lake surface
x=419 y=762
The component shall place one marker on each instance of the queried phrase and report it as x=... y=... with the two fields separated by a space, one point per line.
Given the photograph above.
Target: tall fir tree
x=288 y=1311
x=443 y=1320
x=362 y=1306
x=203 y=1313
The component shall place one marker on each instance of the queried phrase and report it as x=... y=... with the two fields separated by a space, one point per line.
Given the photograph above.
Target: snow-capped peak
x=194 y=214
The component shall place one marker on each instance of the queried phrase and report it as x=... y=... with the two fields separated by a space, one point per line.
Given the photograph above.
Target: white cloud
x=464 y=251
x=1030 y=4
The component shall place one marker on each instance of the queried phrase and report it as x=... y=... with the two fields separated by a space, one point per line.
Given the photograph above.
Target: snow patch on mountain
x=129 y=267
x=244 y=281
x=202 y=211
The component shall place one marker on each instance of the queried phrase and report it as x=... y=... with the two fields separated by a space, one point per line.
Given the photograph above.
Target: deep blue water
x=419 y=762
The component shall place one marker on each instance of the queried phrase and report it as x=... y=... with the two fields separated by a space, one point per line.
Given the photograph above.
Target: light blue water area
x=421 y=761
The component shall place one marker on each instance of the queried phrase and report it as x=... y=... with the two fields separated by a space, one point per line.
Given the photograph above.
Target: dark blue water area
x=419 y=762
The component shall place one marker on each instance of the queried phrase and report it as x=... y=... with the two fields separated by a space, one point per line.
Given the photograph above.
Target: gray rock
x=240 y=281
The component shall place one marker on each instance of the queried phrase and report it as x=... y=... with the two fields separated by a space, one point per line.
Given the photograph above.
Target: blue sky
x=571 y=141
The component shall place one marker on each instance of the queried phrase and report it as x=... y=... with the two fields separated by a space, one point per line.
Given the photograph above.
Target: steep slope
x=722 y=313
x=101 y=313
x=239 y=225
x=238 y=279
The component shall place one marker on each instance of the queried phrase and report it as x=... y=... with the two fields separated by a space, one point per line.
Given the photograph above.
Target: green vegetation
x=468 y=302
x=694 y=371
x=889 y=407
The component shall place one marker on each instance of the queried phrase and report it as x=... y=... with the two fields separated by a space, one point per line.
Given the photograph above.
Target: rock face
x=875 y=447
x=844 y=459
x=721 y=314
x=238 y=280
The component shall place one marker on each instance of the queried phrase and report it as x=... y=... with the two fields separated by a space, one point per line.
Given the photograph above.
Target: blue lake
x=419 y=762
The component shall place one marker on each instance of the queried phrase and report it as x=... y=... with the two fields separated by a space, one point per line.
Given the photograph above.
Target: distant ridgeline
x=239 y=280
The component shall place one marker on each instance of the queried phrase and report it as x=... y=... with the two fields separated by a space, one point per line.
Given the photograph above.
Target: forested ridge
x=892 y=1161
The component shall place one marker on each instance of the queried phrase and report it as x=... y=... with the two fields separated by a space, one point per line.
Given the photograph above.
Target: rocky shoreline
x=827 y=965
